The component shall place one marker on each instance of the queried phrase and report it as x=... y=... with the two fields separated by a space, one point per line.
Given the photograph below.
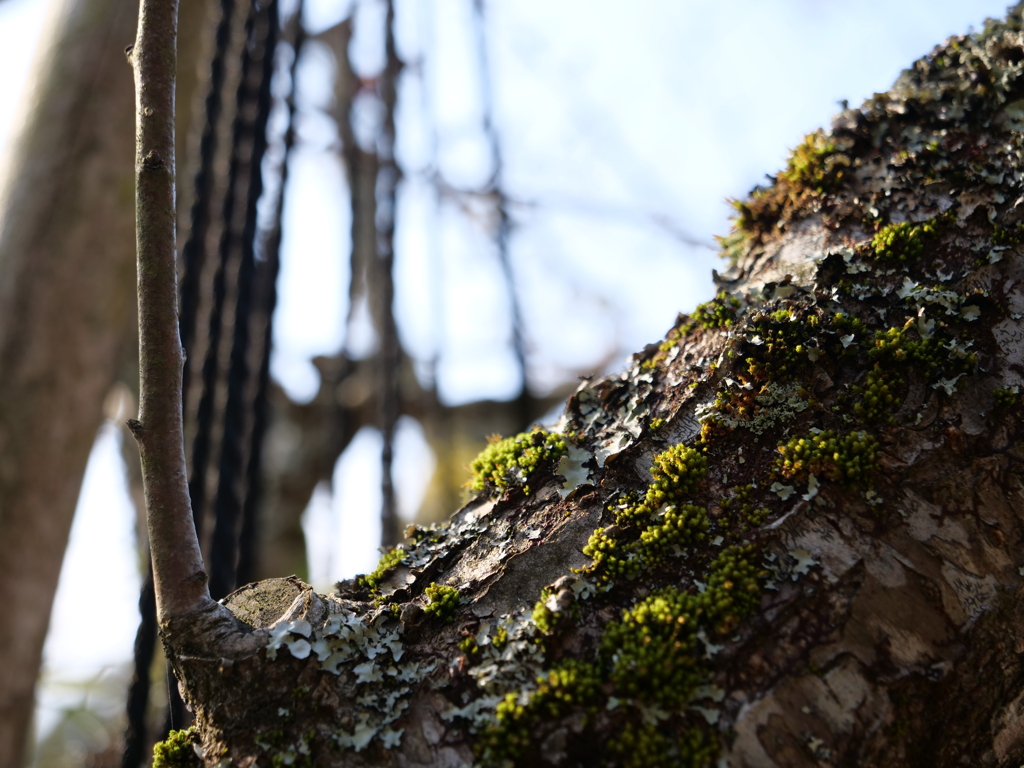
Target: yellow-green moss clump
x=543 y=616
x=848 y=459
x=510 y=462
x=816 y=164
x=652 y=650
x=672 y=528
x=878 y=397
x=648 y=746
x=816 y=168
x=444 y=601
x=783 y=342
x=1006 y=397
x=667 y=523
x=720 y=312
x=571 y=683
x=388 y=560
x=733 y=589
x=903 y=242
x=177 y=750
x=677 y=472
x=742 y=506
x=898 y=346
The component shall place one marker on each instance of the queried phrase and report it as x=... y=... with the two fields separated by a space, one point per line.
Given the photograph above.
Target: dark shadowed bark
x=788 y=535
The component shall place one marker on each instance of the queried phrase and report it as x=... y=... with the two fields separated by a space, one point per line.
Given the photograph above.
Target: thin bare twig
x=178 y=573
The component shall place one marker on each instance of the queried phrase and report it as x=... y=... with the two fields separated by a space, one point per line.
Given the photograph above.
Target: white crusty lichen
x=370 y=647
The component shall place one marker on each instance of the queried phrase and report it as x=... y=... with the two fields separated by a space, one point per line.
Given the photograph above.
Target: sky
x=624 y=128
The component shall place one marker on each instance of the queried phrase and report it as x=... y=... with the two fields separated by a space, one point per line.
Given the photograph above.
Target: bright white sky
x=622 y=124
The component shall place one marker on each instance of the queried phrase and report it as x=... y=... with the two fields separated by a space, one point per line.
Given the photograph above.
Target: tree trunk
x=67 y=310
x=66 y=315
x=789 y=535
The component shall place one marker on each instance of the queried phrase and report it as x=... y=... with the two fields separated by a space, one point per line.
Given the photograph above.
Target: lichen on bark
x=814 y=559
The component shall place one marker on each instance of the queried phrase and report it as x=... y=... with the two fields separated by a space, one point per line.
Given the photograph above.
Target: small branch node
x=152 y=160
x=135 y=427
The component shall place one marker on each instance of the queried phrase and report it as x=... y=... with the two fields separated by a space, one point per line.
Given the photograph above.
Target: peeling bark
x=789 y=535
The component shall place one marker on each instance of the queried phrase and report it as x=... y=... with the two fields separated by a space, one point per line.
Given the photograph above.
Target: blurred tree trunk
x=67 y=308
x=789 y=535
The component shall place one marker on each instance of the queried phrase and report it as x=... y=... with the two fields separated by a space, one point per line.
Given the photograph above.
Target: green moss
x=652 y=651
x=903 y=346
x=388 y=560
x=743 y=508
x=543 y=616
x=904 y=242
x=644 y=745
x=785 y=342
x=720 y=312
x=816 y=164
x=611 y=560
x=1012 y=236
x=733 y=589
x=848 y=459
x=672 y=528
x=500 y=638
x=677 y=472
x=444 y=601
x=510 y=462
x=469 y=646
x=878 y=397
x=571 y=683
x=657 y=424
x=177 y=750
x=666 y=522
x=1007 y=397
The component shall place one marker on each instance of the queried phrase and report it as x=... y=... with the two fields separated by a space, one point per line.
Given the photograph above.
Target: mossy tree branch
x=179 y=577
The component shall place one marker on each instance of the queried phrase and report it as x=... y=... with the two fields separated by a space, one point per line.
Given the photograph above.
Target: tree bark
x=65 y=317
x=67 y=325
x=788 y=535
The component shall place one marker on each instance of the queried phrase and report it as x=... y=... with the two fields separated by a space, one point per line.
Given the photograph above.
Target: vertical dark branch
x=269 y=269
x=503 y=229
x=228 y=502
x=135 y=736
x=390 y=348
x=227 y=247
x=193 y=253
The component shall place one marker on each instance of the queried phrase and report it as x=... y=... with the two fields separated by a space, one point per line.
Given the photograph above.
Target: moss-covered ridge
x=510 y=462
x=925 y=130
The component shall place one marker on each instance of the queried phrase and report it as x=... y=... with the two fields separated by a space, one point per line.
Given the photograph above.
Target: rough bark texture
x=789 y=535
x=66 y=312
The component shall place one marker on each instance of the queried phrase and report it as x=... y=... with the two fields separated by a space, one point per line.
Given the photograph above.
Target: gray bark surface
x=789 y=535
